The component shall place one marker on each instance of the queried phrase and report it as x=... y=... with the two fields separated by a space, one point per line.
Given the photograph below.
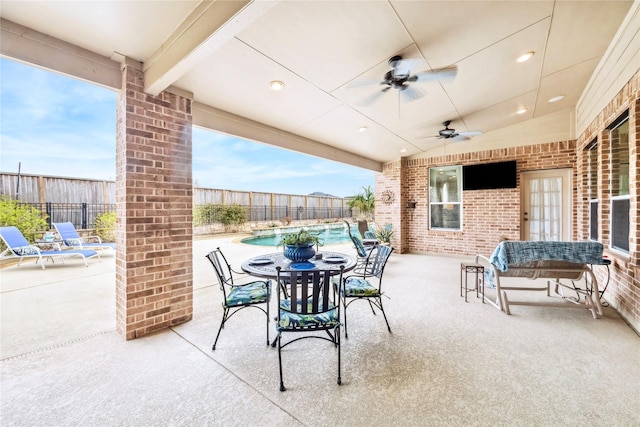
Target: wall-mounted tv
x=488 y=176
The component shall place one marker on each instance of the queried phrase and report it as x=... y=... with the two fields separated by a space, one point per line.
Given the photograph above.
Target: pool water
x=329 y=236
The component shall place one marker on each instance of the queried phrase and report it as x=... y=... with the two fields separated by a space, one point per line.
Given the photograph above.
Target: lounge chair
x=19 y=247
x=71 y=239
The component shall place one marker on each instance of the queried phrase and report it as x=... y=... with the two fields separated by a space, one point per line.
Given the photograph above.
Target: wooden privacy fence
x=81 y=200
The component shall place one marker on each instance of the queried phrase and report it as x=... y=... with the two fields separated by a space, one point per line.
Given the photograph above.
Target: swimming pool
x=327 y=235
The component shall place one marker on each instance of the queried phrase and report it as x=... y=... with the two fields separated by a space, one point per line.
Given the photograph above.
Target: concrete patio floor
x=446 y=362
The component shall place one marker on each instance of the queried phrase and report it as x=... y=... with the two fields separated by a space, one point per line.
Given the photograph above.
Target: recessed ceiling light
x=525 y=57
x=404 y=150
x=276 y=85
x=556 y=98
x=362 y=129
x=521 y=111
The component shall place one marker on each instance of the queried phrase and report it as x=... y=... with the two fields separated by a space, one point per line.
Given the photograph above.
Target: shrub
x=105 y=225
x=233 y=215
x=206 y=214
x=228 y=215
x=29 y=220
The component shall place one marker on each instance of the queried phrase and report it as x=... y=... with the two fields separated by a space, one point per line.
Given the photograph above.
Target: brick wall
x=623 y=291
x=488 y=215
x=154 y=272
x=491 y=214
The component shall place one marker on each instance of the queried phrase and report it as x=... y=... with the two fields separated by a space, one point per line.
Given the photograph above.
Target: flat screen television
x=488 y=176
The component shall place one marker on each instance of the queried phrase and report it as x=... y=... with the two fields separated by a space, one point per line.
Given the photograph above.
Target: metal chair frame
x=224 y=272
x=316 y=288
x=372 y=268
x=362 y=251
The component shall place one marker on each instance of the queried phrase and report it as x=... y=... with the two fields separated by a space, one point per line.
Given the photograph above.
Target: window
x=592 y=188
x=445 y=191
x=619 y=184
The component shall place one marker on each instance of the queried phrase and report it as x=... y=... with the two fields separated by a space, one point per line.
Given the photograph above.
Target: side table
x=478 y=271
x=48 y=245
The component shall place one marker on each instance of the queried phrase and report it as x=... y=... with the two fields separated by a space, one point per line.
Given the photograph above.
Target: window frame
x=434 y=171
x=614 y=220
x=593 y=178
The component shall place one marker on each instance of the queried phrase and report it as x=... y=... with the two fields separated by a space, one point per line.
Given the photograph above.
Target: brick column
x=154 y=271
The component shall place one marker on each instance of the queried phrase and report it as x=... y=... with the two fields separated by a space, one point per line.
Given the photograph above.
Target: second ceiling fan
x=452 y=134
x=401 y=79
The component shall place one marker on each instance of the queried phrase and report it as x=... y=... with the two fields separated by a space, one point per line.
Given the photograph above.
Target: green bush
x=105 y=225
x=206 y=214
x=228 y=215
x=29 y=220
x=233 y=215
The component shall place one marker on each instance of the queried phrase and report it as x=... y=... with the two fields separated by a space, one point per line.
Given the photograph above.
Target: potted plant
x=385 y=234
x=298 y=246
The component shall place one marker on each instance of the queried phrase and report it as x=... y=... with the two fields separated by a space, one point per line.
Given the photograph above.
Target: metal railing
x=277 y=213
x=83 y=215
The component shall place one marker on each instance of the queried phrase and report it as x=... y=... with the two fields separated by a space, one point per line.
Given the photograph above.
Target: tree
x=366 y=201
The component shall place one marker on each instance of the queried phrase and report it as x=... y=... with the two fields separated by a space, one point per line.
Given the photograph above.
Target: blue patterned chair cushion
x=251 y=293
x=73 y=242
x=25 y=250
x=358 y=287
x=289 y=320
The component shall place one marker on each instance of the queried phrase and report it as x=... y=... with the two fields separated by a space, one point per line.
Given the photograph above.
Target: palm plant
x=366 y=201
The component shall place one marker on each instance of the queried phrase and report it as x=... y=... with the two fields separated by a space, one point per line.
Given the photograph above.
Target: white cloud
x=55 y=125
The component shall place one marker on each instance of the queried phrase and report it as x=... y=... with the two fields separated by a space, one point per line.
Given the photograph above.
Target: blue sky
x=55 y=125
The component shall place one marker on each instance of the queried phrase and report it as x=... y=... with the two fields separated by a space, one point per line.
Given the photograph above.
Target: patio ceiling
x=227 y=53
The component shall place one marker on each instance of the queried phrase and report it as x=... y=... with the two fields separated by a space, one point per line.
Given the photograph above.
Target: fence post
x=48 y=209
x=84 y=216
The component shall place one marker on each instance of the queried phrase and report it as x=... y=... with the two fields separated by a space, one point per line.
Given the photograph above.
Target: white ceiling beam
x=32 y=47
x=210 y=25
x=222 y=121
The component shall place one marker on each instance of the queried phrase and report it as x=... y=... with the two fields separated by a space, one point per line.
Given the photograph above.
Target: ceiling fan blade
x=373 y=98
x=438 y=74
x=429 y=137
x=411 y=93
x=465 y=136
x=459 y=138
x=472 y=133
x=364 y=82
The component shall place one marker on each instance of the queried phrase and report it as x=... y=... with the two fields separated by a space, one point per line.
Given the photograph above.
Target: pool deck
x=447 y=362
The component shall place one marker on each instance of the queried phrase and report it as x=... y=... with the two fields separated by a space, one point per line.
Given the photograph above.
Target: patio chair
x=366 y=284
x=238 y=296
x=368 y=235
x=362 y=251
x=19 y=247
x=311 y=307
x=71 y=239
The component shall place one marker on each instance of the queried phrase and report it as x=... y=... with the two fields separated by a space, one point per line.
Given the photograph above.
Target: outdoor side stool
x=478 y=271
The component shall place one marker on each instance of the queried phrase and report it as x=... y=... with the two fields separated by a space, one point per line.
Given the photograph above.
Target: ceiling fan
x=400 y=78
x=451 y=134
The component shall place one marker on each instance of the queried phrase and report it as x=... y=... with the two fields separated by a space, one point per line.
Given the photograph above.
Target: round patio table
x=265 y=265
